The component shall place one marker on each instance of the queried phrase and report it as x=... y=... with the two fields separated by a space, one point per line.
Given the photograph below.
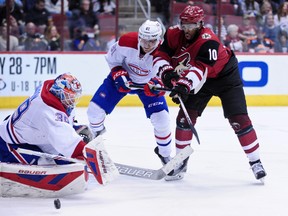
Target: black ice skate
x=258 y=170
x=177 y=173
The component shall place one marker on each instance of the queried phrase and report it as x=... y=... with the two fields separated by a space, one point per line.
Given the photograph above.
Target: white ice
x=219 y=181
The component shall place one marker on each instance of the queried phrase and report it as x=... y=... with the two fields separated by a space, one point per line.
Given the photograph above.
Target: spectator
x=223 y=29
x=39 y=15
x=84 y=18
x=260 y=44
x=28 y=5
x=233 y=40
x=250 y=8
x=275 y=4
x=73 y=4
x=104 y=6
x=53 y=38
x=54 y=6
x=84 y=41
x=265 y=9
x=16 y=17
x=270 y=29
x=33 y=41
x=13 y=41
x=247 y=30
x=282 y=14
x=281 y=44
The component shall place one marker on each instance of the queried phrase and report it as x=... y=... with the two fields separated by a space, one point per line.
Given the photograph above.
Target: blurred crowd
x=35 y=24
x=39 y=25
x=260 y=26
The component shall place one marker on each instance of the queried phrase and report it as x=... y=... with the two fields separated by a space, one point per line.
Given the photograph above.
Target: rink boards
x=264 y=76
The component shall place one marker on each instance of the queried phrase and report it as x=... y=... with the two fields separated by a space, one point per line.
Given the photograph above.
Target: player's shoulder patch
x=129 y=40
x=206 y=36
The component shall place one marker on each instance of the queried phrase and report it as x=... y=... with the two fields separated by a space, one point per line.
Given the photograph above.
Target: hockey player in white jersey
x=131 y=61
x=44 y=123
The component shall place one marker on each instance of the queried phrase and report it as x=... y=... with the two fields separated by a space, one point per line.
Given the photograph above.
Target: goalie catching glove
x=168 y=75
x=121 y=79
x=150 y=87
x=181 y=89
x=99 y=162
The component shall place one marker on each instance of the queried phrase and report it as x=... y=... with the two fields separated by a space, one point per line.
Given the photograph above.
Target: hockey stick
x=189 y=119
x=182 y=106
x=49 y=156
x=155 y=174
x=137 y=86
x=126 y=169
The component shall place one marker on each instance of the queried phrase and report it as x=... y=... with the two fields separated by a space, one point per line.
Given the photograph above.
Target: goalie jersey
x=41 y=120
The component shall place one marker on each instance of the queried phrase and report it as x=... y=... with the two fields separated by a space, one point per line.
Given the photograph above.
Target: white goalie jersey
x=47 y=126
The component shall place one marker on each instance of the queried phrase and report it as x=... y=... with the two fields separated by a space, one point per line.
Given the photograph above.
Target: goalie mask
x=68 y=90
x=149 y=33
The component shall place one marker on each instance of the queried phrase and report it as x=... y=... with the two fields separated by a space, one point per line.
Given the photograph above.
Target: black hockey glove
x=168 y=75
x=182 y=89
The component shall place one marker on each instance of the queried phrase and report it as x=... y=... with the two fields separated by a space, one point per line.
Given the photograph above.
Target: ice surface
x=219 y=181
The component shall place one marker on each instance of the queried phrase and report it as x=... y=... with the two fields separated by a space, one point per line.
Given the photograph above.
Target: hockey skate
x=176 y=174
x=258 y=170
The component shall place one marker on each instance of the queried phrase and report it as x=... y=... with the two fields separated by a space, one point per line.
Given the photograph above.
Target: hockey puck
x=57 y=203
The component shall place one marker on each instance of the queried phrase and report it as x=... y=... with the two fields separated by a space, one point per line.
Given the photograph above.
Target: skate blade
x=176 y=177
x=262 y=180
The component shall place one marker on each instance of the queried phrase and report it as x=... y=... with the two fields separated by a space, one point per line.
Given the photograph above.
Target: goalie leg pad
x=21 y=180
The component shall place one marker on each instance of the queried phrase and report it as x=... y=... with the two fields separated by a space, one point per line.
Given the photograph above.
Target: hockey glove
x=149 y=88
x=168 y=75
x=181 y=89
x=84 y=132
x=122 y=80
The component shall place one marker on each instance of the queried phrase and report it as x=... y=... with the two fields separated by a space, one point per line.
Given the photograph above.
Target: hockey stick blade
x=155 y=174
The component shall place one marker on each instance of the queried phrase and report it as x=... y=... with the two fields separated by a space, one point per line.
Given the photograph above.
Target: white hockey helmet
x=151 y=32
x=67 y=89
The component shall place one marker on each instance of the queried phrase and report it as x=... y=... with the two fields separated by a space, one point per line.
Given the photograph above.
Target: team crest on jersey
x=137 y=70
x=182 y=62
x=206 y=36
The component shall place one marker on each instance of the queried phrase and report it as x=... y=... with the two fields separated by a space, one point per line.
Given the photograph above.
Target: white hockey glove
x=99 y=162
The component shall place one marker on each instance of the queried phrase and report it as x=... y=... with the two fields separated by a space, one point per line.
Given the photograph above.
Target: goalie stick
x=126 y=169
x=181 y=104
